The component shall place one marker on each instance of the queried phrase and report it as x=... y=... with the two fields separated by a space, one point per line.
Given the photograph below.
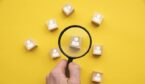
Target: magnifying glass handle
x=67 y=73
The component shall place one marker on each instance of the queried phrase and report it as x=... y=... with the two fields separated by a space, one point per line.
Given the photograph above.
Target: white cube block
x=55 y=53
x=68 y=9
x=97 y=50
x=97 y=77
x=97 y=19
x=30 y=44
x=75 y=42
x=52 y=25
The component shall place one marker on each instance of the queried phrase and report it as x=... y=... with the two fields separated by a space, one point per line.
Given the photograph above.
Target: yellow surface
x=122 y=35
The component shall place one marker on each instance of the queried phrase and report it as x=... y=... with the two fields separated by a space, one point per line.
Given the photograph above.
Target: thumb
x=74 y=73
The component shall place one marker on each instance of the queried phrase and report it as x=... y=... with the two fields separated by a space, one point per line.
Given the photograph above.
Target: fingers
x=57 y=75
x=61 y=65
x=59 y=70
x=74 y=73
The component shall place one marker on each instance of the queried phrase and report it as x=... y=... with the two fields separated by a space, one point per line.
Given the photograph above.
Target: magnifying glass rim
x=67 y=28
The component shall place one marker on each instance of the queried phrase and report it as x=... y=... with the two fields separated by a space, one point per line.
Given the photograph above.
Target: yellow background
x=122 y=35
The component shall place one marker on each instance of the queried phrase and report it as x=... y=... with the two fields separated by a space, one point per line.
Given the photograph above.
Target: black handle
x=67 y=68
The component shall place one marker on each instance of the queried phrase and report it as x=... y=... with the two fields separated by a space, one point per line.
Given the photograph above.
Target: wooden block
x=97 y=77
x=30 y=44
x=97 y=50
x=68 y=9
x=75 y=43
x=97 y=19
x=55 y=53
x=52 y=25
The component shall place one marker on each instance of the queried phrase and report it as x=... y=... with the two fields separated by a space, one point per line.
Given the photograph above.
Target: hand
x=57 y=75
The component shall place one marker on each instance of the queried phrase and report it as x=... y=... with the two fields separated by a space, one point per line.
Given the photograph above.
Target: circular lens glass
x=75 y=41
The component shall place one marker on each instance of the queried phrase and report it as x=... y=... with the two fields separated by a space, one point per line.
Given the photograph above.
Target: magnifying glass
x=74 y=42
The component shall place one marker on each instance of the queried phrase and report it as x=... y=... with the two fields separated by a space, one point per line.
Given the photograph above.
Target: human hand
x=57 y=75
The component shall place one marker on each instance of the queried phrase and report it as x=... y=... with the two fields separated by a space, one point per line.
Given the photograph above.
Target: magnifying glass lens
x=75 y=42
